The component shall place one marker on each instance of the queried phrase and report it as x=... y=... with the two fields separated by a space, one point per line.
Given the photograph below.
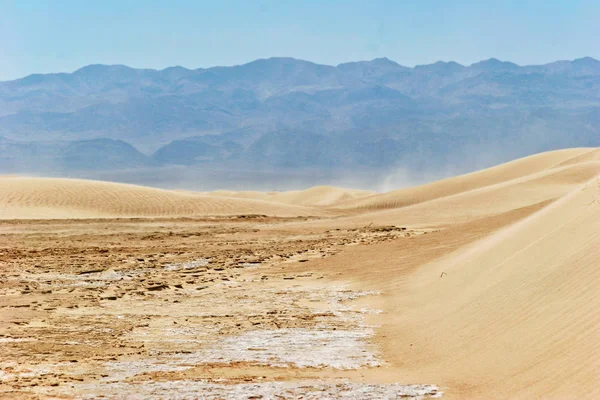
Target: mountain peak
x=494 y=64
x=278 y=60
x=275 y=62
x=376 y=66
x=441 y=67
x=176 y=68
x=95 y=68
x=108 y=72
x=176 y=71
x=587 y=61
x=384 y=61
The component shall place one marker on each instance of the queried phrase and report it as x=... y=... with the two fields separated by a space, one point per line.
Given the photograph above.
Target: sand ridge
x=451 y=186
x=516 y=312
x=27 y=197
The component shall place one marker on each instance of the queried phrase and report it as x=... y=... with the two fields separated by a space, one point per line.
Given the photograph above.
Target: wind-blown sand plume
x=509 y=194
x=320 y=196
x=23 y=197
x=487 y=177
x=314 y=196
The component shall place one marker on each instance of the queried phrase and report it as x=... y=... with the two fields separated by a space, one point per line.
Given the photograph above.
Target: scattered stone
x=90 y=271
x=156 y=288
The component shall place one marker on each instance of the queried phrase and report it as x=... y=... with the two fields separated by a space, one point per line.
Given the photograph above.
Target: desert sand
x=479 y=286
x=24 y=197
x=315 y=196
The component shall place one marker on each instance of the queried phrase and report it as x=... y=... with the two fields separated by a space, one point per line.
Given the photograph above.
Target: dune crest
x=517 y=169
x=24 y=197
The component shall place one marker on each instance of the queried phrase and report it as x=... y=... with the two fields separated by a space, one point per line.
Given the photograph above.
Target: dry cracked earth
x=186 y=308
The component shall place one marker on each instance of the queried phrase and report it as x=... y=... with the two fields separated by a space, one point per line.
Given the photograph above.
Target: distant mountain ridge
x=290 y=113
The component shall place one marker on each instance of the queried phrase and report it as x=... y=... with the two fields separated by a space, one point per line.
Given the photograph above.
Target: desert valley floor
x=479 y=286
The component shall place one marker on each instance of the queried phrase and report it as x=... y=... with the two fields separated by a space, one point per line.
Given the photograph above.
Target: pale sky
x=60 y=36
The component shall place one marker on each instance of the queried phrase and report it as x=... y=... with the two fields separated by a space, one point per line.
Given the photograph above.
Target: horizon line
x=493 y=59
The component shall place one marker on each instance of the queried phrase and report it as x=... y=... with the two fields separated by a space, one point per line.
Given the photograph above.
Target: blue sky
x=63 y=35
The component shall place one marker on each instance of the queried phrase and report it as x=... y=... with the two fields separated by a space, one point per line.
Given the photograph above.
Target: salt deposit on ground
x=340 y=349
x=307 y=390
x=202 y=262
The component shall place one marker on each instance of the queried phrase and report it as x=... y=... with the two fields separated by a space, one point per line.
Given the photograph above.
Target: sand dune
x=532 y=189
x=314 y=196
x=320 y=196
x=544 y=177
x=71 y=198
x=502 y=306
x=503 y=301
x=240 y=195
x=492 y=176
x=515 y=314
x=516 y=184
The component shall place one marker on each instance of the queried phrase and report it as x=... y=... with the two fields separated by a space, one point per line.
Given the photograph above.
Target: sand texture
x=481 y=286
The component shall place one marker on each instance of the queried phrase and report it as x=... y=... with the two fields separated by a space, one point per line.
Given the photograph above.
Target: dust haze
x=407 y=171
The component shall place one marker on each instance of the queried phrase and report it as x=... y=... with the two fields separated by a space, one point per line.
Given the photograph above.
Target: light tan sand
x=503 y=301
x=25 y=197
x=514 y=315
x=315 y=196
x=508 y=195
x=492 y=176
x=491 y=292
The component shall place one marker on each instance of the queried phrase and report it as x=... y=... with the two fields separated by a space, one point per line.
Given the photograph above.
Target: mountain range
x=289 y=114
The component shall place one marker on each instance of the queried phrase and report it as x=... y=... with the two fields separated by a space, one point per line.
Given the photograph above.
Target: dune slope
x=314 y=196
x=501 y=306
x=516 y=169
x=515 y=314
x=468 y=204
x=23 y=197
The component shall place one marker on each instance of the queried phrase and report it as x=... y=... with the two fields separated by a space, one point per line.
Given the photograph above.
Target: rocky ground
x=185 y=308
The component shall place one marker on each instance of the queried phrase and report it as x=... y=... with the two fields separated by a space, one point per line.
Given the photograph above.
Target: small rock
x=156 y=287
